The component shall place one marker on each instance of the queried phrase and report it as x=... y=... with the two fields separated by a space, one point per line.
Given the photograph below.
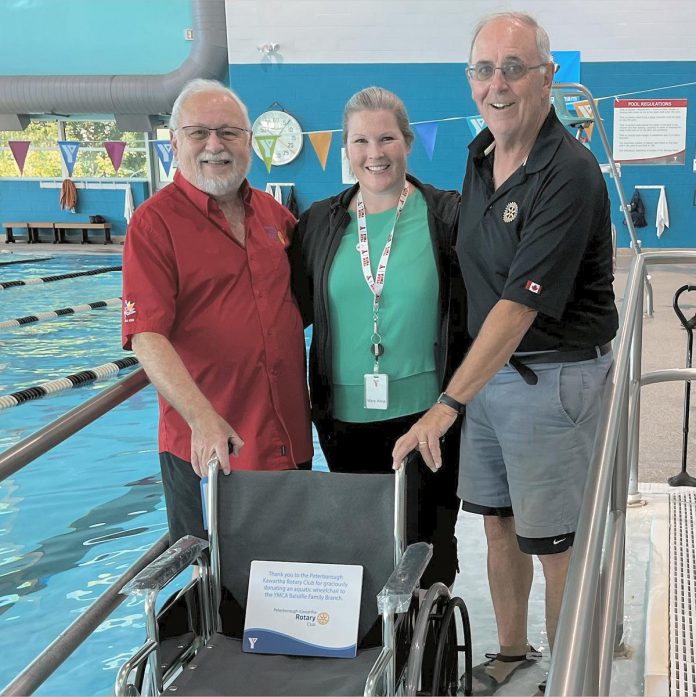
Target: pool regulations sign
x=650 y=131
x=303 y=609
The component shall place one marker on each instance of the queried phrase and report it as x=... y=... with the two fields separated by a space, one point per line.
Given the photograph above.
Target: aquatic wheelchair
x=410 y=640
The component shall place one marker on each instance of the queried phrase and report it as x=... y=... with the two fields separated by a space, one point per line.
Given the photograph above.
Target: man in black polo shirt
x=534 y=246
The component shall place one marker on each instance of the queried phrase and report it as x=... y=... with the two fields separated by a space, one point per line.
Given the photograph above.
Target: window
x=43 y=158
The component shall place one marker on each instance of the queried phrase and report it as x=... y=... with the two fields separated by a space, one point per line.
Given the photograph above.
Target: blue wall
x=24 y=201
x=604 y=79
x=315 y=94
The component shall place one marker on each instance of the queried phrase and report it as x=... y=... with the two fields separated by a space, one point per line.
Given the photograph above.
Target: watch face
x=278 y=123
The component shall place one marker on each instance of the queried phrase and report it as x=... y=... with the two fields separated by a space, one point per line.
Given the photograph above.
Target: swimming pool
x=73 y=520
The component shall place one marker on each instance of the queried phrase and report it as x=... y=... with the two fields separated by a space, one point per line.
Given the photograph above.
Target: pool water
x=75 y=519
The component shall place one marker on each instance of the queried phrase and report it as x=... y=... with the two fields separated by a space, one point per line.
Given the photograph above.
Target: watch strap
x=452 y=403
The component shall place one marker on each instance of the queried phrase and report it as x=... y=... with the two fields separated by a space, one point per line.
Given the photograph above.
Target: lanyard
x=376 y=284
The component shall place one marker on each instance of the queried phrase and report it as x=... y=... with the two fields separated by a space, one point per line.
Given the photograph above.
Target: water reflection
x=31 y=571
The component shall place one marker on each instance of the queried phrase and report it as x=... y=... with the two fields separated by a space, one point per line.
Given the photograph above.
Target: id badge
x=376 y=391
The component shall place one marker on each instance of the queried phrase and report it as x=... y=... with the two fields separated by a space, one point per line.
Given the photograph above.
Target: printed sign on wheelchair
x=303 y=609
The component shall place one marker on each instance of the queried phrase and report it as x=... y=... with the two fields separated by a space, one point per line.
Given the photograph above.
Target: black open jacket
x=311 y=254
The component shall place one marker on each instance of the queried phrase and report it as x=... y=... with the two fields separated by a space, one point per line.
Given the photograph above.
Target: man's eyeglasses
x=231 y=134
x=512 y=70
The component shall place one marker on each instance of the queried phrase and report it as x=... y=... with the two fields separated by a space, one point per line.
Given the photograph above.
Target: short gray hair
x=375 y=99
x=196 y=87
x=542 y=38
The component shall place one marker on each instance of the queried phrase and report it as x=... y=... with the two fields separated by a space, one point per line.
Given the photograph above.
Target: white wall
x=438 y=31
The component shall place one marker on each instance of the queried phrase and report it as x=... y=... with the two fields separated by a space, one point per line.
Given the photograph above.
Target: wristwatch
x=448 y=401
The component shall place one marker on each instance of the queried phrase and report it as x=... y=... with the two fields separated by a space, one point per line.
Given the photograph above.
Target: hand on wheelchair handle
x=424 y=436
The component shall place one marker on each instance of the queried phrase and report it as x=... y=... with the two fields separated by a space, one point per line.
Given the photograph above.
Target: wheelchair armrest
x=396 y=595
x=157 y=574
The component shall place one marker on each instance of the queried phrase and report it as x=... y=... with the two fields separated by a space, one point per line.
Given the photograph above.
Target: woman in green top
x=374 y=272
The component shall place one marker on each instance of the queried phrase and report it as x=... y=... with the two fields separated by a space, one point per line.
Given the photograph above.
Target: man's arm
x=209 y=431
x=500 y=334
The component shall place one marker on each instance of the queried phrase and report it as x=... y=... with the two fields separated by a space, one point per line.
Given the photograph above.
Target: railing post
x=634 y=394
x=591 y=682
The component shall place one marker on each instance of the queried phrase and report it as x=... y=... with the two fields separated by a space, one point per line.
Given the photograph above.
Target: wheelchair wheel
x=445 y=679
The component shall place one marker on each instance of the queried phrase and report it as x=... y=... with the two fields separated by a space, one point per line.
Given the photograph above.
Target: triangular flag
x=68 y=149
x=321 y=142
x=114 y=149
x=163 y=148
x=19 y=150
x=267 y=146
x=476 y=124
x=427 y=132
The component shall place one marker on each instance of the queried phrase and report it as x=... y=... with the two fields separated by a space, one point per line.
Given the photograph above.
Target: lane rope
x=50 y=279
x=24 y=261
x=77 y=380
x=19 y=321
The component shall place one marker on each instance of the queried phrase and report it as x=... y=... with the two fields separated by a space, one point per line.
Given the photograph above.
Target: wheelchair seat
x=298 y=516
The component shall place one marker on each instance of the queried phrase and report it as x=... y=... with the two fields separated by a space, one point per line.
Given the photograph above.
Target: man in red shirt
x=207 y=309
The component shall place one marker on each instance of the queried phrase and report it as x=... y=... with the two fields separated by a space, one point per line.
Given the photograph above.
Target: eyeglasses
x=512 y=70
x=229 y=133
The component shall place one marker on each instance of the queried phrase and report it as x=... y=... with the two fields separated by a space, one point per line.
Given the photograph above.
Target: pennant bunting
x=321 y=142
x=69 y=149
x=427 y=132
x=266 y=146
x=19 y=151
x=163 y=148
x=114 y=149
x=582 y=108
x=476 y=124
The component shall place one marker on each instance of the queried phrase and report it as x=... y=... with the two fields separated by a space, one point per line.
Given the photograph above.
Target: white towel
x=662 y=220
x=128 y=207
x=276 y=191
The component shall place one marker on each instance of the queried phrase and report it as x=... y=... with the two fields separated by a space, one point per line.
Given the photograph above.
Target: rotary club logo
x=323 y=618
x=510 y=212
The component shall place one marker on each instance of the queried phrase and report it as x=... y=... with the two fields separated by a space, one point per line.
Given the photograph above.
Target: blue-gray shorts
x=526 y=449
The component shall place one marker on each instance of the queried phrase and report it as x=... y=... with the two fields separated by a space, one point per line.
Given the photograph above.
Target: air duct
x=138 y=102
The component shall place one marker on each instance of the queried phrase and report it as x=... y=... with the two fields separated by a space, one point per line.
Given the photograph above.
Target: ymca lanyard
x=376 y=284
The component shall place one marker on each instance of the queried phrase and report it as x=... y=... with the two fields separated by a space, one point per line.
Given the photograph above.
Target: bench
x=32 y=229
x=62 y=228
x=58 y=229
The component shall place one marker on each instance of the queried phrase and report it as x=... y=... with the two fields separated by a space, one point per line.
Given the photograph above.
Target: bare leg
x=555 y=571
x=510 y=574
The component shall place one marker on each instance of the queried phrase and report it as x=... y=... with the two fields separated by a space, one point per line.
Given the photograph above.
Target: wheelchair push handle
x=688 y=324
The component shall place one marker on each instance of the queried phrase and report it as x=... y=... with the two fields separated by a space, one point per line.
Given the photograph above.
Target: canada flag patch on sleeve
x=533 y=287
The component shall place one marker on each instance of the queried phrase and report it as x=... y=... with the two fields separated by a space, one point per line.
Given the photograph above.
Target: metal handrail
x=40 y=442
x=45 y=664
x=587 y=627
x=26 y=451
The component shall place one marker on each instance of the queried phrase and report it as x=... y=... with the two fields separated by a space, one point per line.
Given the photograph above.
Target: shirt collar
x=204 y=201
x=545 y=146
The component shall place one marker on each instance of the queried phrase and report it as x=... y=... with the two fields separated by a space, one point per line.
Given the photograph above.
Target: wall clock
x=276 y=122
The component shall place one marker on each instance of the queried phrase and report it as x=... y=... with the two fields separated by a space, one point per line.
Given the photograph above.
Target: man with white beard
x=207 y=309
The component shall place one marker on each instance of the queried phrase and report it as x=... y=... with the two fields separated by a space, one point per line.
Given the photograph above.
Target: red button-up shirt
x=229 y=314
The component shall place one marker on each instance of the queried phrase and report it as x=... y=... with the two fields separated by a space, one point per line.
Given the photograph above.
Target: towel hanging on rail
x=662 y=219
x=68 y=195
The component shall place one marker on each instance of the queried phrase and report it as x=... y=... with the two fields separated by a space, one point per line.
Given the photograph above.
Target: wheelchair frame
x=435 y=619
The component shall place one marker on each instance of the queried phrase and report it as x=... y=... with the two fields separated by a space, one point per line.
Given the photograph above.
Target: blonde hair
x=376 y=99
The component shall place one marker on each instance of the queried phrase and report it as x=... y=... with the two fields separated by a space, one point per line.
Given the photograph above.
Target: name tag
x=376 y=391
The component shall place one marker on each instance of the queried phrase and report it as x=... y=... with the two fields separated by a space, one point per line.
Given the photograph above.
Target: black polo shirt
x=543 y=240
